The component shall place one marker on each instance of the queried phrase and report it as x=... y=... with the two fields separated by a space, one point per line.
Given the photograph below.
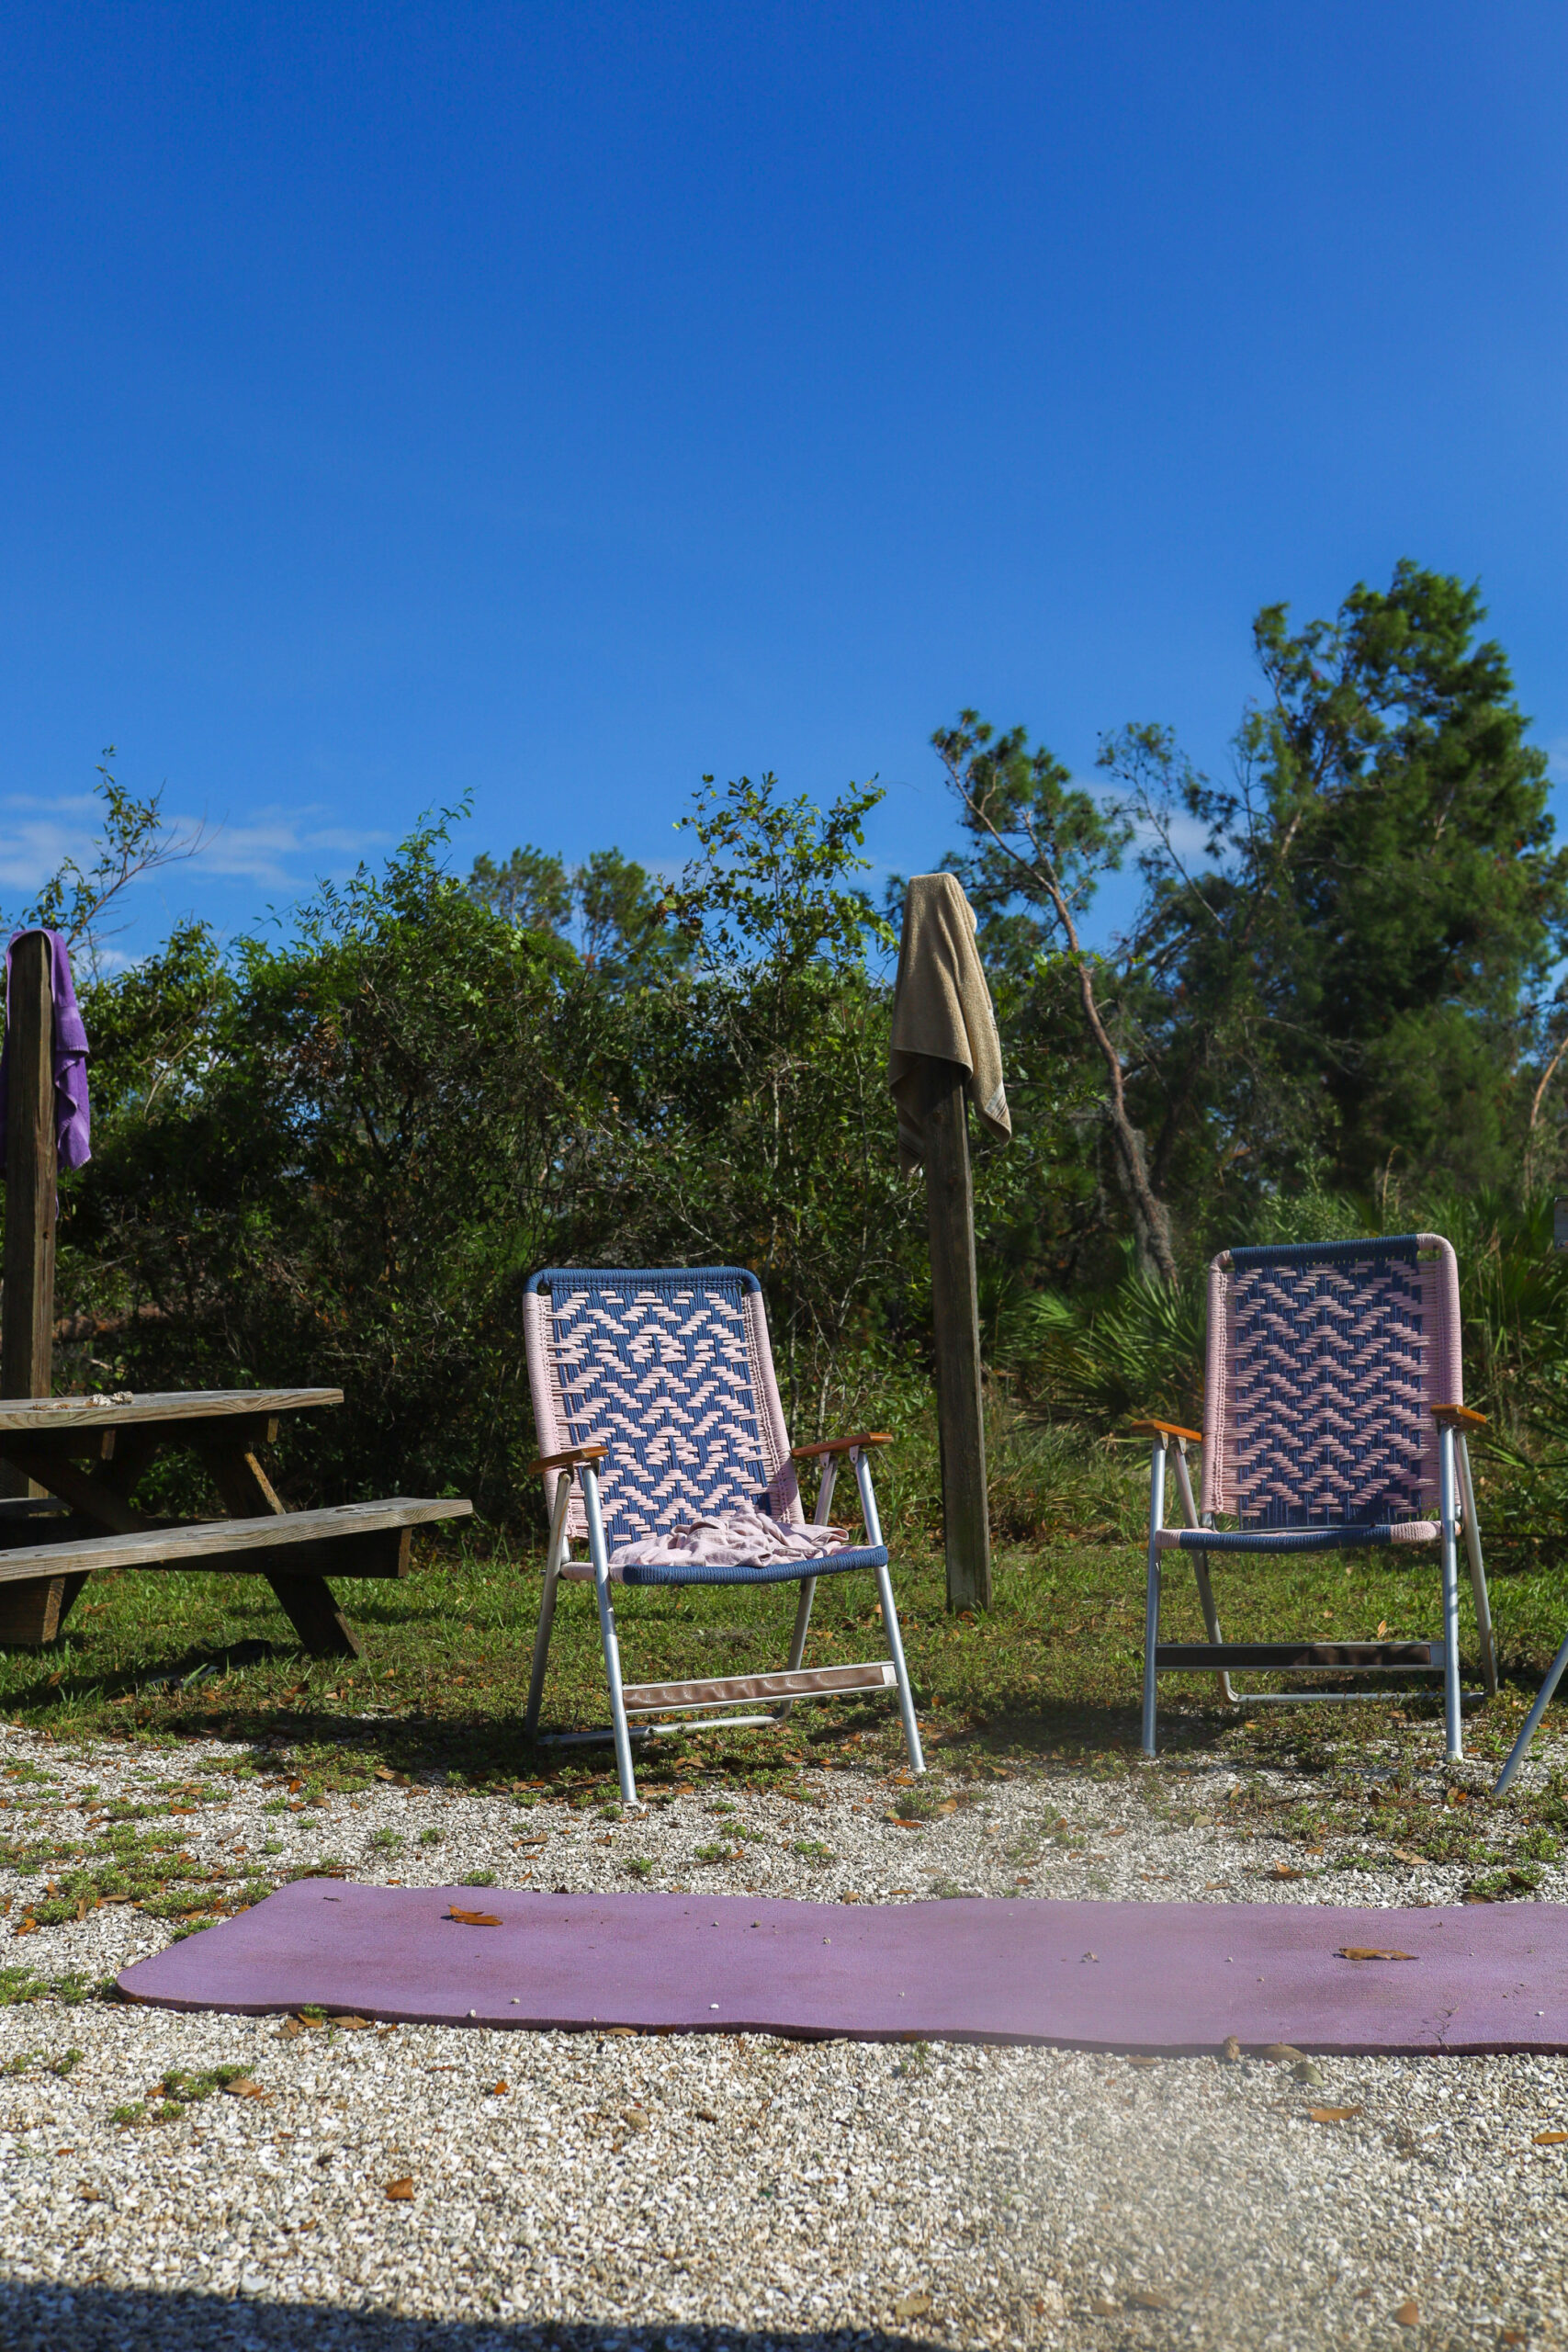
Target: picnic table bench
x=88 y=1458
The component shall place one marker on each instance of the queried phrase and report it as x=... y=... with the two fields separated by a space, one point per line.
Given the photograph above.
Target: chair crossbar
x=730 y=1689
x=1299 y=1658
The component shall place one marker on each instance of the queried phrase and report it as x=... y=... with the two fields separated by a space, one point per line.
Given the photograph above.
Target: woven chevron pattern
x=673 y=1371
x=1328 y=1387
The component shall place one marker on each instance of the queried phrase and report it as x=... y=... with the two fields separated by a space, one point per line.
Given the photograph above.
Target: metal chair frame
x=1351 y=1486
x=671 y=1403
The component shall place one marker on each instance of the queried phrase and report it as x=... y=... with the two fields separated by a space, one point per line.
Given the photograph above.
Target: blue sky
x=558 y=404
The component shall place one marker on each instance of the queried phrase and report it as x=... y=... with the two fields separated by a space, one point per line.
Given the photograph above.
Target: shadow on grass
x=112 y=2318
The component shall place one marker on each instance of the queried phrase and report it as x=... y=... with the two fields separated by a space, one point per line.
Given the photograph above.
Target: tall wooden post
x=30 y=1611
x=955 y=1315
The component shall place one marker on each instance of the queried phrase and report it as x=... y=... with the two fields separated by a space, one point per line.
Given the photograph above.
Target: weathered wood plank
x=40 y=1414
x=299 y=1542
x=950 y=1210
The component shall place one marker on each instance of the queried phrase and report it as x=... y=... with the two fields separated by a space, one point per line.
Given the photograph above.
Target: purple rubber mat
x=1168 y=1976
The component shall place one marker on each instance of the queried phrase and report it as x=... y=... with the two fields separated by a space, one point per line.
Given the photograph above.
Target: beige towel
x=941 y=1009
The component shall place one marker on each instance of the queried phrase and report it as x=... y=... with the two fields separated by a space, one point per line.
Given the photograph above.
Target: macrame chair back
x=671 y=1370
x=1323 y=1362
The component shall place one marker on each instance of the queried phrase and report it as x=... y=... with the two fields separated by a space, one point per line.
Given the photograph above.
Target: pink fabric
x=742 y=1538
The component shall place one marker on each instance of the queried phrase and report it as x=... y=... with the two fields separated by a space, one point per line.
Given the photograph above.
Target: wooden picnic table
x=87 y=1458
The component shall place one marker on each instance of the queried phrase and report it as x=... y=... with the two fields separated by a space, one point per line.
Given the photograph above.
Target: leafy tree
x=1040 y=846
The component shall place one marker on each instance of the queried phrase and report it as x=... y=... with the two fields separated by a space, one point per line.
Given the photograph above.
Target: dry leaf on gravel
x=400 y=2191
x=349 y=2024
x=1549 y=2139
x=243 y=2088
x=1408 y=2315
x=90 y=2196
x=1101 y=2308
x=1149 y=2298
x=1142 y=2062
x=499 y=2090
x=1404 y=1854
x=1333 y=2114
x=473 y=1918
x=636 y=2119
x=1369 y=1951
x=949 y=1804
x=1283 y=1870
x=1284 y=2050
x=911 y=2306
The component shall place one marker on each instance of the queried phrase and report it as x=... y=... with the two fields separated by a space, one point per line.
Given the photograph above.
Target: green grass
x=1051 y=1671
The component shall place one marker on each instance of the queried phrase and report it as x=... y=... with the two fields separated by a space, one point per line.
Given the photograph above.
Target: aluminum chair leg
x=889 y=1615
x=547 y=1602
x=1477 y=1570
x=600 y=1557
x=808 y=1586
x=1449 y=1504
x=1151 y=1598
x=1532 y=1720
x=1201 y=1568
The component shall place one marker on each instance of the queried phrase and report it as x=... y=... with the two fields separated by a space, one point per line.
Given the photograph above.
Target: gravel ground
x=719 y=2191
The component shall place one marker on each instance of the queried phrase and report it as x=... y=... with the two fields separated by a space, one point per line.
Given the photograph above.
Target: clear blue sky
x=560 y=403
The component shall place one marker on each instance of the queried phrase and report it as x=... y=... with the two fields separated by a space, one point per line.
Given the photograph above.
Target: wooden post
x=955 y=1315
x=30 y=1611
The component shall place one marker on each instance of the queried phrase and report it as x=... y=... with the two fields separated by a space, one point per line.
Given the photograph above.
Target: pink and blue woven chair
x=655 y=1402
x=1332 y=1418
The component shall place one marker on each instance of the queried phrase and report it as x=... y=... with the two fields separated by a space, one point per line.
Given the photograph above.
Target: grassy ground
x=1051 y=1669
x=1051 y=1674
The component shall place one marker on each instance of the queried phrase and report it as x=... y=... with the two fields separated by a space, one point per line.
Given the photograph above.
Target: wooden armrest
x=839 y=1444
x=564 y=1461
x=1459 y=1416
x=1166 y=1429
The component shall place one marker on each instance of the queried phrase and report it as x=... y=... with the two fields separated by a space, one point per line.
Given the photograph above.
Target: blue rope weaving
x=1327 y=1390
x=672 y=1371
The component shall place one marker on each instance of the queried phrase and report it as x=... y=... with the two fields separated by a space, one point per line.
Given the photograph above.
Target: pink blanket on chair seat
x=743 y=1537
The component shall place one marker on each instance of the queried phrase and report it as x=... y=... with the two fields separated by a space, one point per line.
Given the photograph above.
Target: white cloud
x=277 y=848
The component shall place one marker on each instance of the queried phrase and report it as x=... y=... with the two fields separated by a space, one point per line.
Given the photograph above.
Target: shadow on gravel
x=109 y=2319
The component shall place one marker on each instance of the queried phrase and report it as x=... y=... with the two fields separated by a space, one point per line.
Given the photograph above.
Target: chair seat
x=1294 y=1539
x=866 y=1556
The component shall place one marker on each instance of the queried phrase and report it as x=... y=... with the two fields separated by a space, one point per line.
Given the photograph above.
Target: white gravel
x=618 y=2189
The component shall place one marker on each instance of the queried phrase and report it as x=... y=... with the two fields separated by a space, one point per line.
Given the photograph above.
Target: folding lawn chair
x=1331 y=1419
x=666 y=1379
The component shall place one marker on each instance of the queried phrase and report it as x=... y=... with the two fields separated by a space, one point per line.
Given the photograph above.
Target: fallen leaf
x=950 y=1805
x=1369 y=1951
x=1512 y=2335
x=1149 y=2298
x=400 y=2191
x=1404 y=1854
x=618 y=2029
x=911 y=2306
x=1284 y=2049
x=1382 y=1627
x=1233 y=2049
x=1142 y=2062
x=295 y=1785
x=1408 y=2315
x=499 y=2090
x=1333 y=2114
x=704 y=2115
x=243 y=2088
x=1101 y=2308
x=900 y=1822
x=636 y=2119
x=27 y=1928
x=473 y=1918
x=1549 y=2139
x=1283 y=1870
x=349 y=2024
x=90 y=2196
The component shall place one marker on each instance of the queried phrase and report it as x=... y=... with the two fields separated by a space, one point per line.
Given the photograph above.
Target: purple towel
x=72 y=1112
